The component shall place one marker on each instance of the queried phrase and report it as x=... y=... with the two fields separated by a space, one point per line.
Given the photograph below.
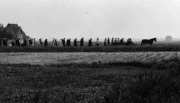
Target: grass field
x=94 y=83
x=84 y=57
x=124 y=77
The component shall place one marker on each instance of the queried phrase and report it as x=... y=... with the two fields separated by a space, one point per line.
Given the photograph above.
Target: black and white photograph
x=89 y=51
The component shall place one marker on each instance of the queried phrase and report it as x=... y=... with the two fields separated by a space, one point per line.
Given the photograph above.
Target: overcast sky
x=92 y=18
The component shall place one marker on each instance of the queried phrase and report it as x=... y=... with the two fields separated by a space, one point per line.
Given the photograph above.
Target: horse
x=148 y=41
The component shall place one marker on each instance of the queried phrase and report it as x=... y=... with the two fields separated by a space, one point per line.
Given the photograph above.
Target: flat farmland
x=83 y=57
x=95 y=77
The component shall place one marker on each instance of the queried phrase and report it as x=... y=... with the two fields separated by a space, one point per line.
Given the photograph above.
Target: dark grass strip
x=81 y=65
x=135 y=48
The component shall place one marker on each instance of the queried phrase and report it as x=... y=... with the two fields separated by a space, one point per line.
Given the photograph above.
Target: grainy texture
x=95 y=83
x=84 y=57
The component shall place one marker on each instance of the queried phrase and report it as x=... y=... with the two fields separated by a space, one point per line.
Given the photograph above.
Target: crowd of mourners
x=64 y=42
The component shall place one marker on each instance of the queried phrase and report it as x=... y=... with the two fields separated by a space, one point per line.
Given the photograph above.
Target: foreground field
x=91 y=83
x=84 y=57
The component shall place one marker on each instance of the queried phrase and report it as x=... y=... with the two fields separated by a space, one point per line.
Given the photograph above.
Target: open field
x=94 y=83
x=84 y=57
x=96 y=77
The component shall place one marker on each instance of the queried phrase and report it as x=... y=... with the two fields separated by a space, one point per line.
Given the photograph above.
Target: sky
x=93 y=18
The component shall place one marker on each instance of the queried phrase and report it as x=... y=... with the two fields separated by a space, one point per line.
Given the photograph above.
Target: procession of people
x=64 y=42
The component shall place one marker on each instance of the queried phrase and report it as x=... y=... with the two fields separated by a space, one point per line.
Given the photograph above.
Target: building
x=12 y=31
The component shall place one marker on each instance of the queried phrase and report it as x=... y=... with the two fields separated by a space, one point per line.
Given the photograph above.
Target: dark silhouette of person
x=30 y=42
x=17 y=42
x=90 y=42
x=118 y=41
x=5 y=42
x=112 y=41
x=122 y=41
x=1 y=42
x=40 y=42
x=13 y=43
x=75 y=42
x=63 y=42
x=108 y=41
x=55 y=43
x=82 y=42
x=97 y=42
x=46 y=42
x=105 y=42
x=34 y=42
x=68 y=42
x=115 y=41
x=24 y=43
